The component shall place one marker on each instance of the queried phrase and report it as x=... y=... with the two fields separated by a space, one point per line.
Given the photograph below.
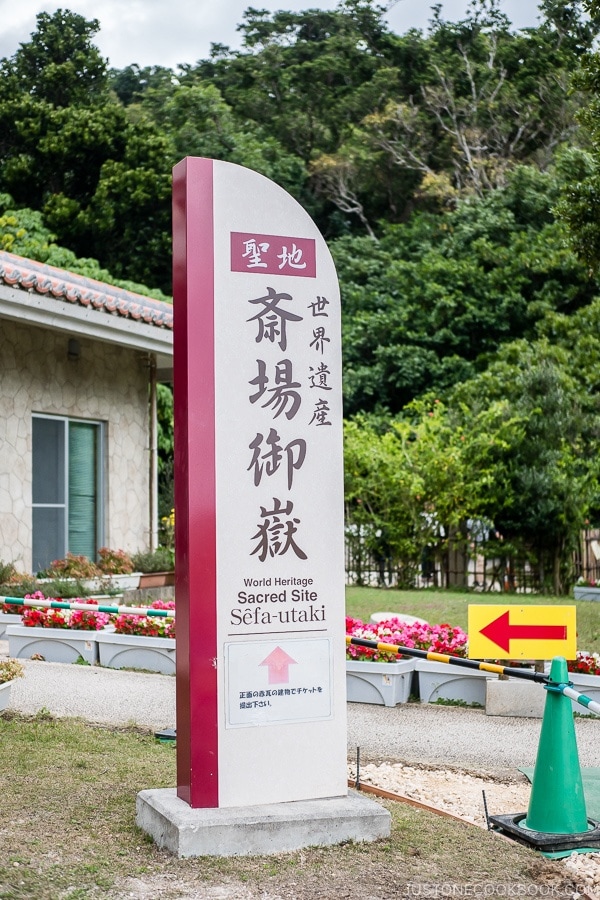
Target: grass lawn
x=67 y=832
x=67 y=815
x=437 y=606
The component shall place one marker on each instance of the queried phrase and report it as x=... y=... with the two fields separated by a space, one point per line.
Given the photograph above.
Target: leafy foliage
x=456 y=175
x=22 y=232
x=159 y=560
x=580 y=202
x=431 y=302
x=361 y=125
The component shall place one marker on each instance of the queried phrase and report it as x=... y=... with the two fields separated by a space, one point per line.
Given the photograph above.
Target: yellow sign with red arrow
x=521 y=632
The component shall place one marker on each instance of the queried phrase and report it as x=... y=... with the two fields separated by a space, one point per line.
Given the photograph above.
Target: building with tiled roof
x=79 y=365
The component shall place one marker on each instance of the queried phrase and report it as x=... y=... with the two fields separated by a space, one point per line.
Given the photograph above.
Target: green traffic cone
x=557 y=804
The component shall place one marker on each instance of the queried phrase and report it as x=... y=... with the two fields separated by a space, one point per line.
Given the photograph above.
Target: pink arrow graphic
x=278 y=663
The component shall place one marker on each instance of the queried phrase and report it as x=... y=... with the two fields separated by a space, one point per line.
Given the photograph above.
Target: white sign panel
x=278 y=681
x=279 y=484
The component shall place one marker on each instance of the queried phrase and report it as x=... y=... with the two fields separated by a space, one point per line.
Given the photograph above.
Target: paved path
x=96 y=694
x=412 y=733
x=456 y=737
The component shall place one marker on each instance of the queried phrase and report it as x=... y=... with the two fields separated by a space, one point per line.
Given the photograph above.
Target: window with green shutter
x=67 y=507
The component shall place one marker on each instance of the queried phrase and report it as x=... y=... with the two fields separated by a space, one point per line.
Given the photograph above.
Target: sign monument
x=261 y=702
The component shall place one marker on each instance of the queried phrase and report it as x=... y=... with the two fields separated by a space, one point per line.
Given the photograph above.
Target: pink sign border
x=195 y=483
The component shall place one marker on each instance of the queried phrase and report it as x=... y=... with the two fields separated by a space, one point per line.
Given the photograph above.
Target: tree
x=69 y=150
x=361 y=125
x=22 y=231
x=198 y=122
x=132 y=199
x=57 y=122
x=383 y=499
x=432 y=301
x=304 y=76
x=418 y=479
x=544 y=481
x=486 y=99
x=59 y=65
x=512 y=446
x=131 y=83
x=307 y=78
x=580 y=201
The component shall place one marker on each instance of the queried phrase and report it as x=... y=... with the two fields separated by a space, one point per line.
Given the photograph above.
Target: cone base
x=562 y=854
x=513 y=825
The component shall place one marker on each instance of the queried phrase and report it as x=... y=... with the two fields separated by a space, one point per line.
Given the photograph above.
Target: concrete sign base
x=258 y=830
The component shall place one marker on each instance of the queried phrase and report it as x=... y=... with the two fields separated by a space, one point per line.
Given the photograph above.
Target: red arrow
x=501 y=632
x=279 y=663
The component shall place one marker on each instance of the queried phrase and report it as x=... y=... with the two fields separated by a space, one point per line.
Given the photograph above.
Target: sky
x=169 y=32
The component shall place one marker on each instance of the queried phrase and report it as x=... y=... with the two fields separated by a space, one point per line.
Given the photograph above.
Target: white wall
x=108 y=384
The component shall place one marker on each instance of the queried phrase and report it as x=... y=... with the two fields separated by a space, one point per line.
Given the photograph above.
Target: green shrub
x=7 y=572
x=160 y=560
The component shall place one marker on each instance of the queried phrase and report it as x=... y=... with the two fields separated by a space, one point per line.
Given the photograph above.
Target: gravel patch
x=461 y=794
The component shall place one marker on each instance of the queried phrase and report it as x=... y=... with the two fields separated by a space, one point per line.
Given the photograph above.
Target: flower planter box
x=580 y=592
x=156 y=579
x=7 y=619
x=5 y=694
x=103 y=583
x=129 y=651
x=386 y=684
x=113 y=582
x=588 y=685
x=61 y=645
x=442 y=681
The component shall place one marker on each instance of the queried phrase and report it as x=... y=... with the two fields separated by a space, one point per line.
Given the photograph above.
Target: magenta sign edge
x=195 y=489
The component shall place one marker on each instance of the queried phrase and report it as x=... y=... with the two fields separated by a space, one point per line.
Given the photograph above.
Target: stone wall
x=107 y=384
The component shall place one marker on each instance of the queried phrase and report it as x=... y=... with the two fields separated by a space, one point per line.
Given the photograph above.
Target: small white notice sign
x=278 y=681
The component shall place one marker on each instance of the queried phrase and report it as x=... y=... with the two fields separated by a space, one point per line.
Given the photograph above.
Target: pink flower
x=444 y=638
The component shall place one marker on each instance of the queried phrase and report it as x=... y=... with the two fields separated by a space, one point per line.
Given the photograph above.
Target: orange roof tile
x=38 y=278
